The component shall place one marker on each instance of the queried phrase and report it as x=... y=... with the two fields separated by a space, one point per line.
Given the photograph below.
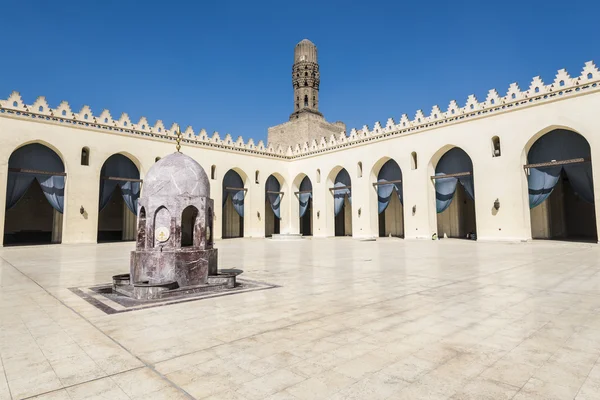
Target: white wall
x=501 y=178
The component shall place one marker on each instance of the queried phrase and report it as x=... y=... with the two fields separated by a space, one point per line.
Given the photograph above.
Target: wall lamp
x=497 y=204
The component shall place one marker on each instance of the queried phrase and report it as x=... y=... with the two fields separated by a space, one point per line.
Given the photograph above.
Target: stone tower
x=306 y=122
x=305 y=79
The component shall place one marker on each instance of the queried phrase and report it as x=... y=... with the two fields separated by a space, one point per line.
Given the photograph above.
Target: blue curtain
x=233 y=180
x=36 y=156
x=342 y=179
x=390 y=171
x=453 y=162
x=304 y=198
x=119 y=166
x=54 y=189
x=272 y=185
x=559 y=145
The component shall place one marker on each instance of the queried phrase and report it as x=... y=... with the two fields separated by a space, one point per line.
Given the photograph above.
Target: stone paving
x=389 y=319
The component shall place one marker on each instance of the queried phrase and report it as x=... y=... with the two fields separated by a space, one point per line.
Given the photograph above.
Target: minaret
x=306 y=122
x=305 y=79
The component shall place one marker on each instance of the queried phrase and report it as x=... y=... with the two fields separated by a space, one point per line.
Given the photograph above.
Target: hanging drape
x=119 y=166
x=342 y=179
x=233 y=180
x=390 y=171
x=453 y=162
x=272 y=185
x=559 y=145
x=37 y=157
x=304 y=198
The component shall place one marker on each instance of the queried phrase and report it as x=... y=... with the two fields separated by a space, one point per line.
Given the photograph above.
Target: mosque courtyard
x=330 y=318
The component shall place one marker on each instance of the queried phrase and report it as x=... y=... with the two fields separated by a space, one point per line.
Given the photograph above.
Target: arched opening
x=35 y=194
x=162 y=227
x=257 y=177
x=273 y=195
x=413 y=160
x=342 y=203
x=305 y=101
x=389 y=200
x=359 y=170
x=561 y=189
x=119 y=192
x=496 y=147
x=234 y=193
x=318 y=176
x=141 y=232
x=455 y=195
x=188 y=224
x=85 y=156
x=305 y=203
x=213 y=172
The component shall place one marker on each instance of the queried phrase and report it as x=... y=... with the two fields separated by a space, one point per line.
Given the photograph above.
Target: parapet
x=537 y=93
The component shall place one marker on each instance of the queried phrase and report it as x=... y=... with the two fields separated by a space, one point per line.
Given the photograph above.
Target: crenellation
x=472 y=103
x=390 y=125
x=84 y=115
x=493 y=98
x=40 y=106
x=453 y=109
x=589 y=73
x=158 y=127
x=124 y=121
x=143 y=125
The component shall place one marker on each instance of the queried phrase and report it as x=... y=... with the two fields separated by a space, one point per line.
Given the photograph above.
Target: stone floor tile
x=104 y=388
x=554 y=390
x=358 y=367
x=320 y=387
x=31 y=385
x=409 y=368
x=269 y=384
x=56 y=395
x=139 y=382
x=485 y=389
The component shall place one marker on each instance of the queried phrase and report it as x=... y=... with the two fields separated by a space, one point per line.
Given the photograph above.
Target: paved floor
x=352 y=320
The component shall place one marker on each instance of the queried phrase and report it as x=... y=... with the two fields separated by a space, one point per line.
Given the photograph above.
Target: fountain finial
x=178 y=146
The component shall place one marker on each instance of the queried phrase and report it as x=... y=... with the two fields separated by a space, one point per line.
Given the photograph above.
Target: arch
x=189 y=216
x=161 y=219
x=387 y=177
x=455 y=204
x=234 y=193
x=305 y=100
x=273 y=196
x=496 y=147
x=119 y=193
x=35 y=195
x=141 y=231
x=342 y=201
x=560 y=186
x=85 y=156
x=303 y=192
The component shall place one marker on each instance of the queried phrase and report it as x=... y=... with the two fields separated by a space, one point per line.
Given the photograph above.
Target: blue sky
x=226 y=65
